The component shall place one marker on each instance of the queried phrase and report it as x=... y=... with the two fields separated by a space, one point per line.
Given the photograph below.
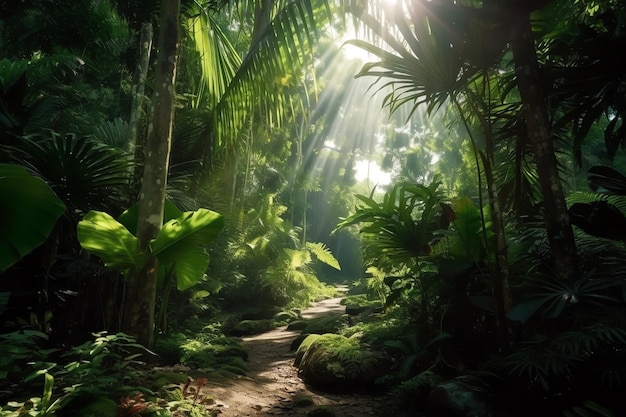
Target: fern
x=544 y=359
x=323 y=254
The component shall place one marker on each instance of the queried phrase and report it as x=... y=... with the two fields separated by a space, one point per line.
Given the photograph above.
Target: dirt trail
x=272 y=386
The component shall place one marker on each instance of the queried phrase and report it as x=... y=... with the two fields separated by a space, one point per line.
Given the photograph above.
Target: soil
x=272 y=386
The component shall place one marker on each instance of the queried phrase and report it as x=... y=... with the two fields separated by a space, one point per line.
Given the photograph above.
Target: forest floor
x=272 y=386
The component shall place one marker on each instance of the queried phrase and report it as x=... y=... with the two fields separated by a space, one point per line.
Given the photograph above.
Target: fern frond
x=323 y=254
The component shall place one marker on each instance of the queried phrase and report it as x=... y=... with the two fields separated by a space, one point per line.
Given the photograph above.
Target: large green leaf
x=131 y=215
x=107 y=238
x=29 y=210
x=180 y=243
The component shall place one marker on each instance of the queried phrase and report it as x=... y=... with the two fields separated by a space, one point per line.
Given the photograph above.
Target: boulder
x=334 y=361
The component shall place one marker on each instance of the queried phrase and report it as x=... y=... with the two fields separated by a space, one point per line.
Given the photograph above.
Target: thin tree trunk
x=141 y=294
x=559 y=230
x=138 y=93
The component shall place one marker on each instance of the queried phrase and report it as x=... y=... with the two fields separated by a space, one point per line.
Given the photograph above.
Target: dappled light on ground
x=272 y=386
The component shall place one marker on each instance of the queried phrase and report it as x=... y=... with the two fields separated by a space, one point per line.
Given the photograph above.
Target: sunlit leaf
x=323 y=254
x=181 y=243
x=107 y=238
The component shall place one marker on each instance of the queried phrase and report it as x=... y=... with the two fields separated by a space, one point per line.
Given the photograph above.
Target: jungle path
x=272 y=386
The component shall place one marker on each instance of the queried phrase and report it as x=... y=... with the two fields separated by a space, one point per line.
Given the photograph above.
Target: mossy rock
x=297 y=325
x=295 y=343
x=328 y=324
x=250 y=327
x=304 y=345
x=334 y=361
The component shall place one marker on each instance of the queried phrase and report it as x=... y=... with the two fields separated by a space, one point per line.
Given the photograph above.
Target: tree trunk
x=141 y=294
x=138 y=93
x=559 y=230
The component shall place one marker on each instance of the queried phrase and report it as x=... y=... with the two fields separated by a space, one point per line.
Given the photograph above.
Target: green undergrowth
x=361 y=302
x=332 y=323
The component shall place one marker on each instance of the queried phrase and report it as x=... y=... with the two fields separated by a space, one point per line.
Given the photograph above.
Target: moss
x=331 y=360
x=412 y=393
x=304 y=345
x=297 y=325
x=329 y=324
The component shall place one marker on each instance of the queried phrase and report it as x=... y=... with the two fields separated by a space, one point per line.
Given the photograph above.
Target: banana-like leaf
x=180 y=243
x=29 y=210
x=107 y=238
x=130 y=216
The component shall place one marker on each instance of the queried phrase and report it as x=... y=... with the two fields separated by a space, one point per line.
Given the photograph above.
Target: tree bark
x=141 y=293
x=138 y=93
x=559 y=230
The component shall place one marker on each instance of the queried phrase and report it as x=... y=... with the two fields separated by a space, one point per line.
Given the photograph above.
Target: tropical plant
x=401 y=227
x=415 y=355
x=37 y=406
x=177 y=246
x=86 y=175
x=28 y=216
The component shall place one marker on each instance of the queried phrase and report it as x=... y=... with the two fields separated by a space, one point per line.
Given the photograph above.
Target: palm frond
x=85 y=174
x=113 y=133
x=261 y=79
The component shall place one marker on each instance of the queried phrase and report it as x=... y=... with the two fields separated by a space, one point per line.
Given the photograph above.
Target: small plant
x=413 y=353
x=37 y=406
x=132 y=406
x=409 y=394
x=19 y=347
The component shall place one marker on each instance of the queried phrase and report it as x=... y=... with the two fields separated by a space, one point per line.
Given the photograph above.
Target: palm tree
x=436 y=55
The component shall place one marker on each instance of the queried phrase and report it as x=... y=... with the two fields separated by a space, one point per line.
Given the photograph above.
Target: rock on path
x=272 y=386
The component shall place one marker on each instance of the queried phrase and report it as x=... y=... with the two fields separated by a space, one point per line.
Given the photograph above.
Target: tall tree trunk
x=560 y=234
x=138 y=93
x=141 y=293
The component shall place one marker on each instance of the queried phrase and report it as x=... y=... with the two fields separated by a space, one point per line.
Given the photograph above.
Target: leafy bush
x=250 y=327
x=91 y=375
x=214 y=353
x=409 y=394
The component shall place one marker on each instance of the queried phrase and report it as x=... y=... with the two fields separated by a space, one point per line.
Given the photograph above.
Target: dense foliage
x=493 y=260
